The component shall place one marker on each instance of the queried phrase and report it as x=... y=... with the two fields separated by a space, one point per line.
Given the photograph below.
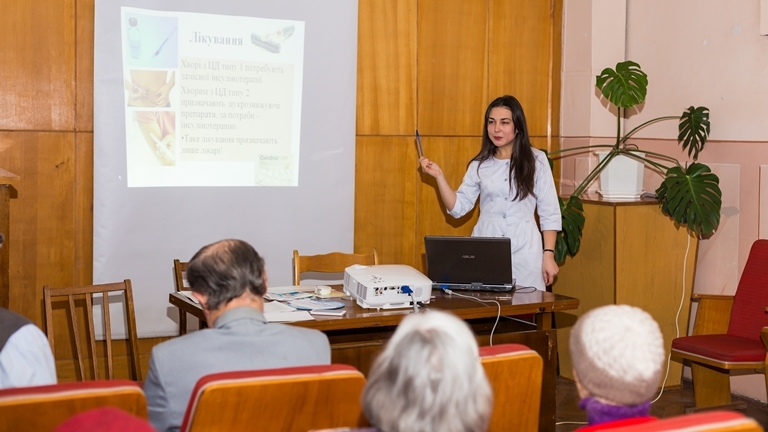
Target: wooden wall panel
x=452 y=66
x=83 y=229
x=386 y=172
x=519 y=57
x=37 y=72
x=386 y=67
x=84 y=65
x=466 y=53
x=42 y=215
x=452 y=154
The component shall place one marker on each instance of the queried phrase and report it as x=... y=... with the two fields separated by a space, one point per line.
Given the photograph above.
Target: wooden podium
x=7 y=180
x=630 y=254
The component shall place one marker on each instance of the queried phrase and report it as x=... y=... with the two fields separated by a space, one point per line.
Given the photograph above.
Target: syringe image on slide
x=150 y=41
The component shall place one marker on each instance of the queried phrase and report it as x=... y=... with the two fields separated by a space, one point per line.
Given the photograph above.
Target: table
x=526 y=318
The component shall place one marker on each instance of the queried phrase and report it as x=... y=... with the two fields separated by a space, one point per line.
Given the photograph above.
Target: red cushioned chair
x=719 y=344
x=515 y=373
x=42 y=408
x=713 y=421
x=288 y=399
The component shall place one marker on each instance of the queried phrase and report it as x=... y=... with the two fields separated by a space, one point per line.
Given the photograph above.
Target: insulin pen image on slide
x=272 y=41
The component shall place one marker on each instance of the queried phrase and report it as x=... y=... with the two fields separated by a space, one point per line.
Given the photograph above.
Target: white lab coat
x=502 y=217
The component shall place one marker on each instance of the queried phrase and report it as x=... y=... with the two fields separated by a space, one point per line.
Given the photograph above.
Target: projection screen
x=216 y=120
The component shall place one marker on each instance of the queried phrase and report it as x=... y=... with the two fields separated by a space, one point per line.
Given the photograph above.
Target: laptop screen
x=469 y=260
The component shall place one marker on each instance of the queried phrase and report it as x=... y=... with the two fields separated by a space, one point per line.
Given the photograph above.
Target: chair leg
x=711 y=386
x=182 y=322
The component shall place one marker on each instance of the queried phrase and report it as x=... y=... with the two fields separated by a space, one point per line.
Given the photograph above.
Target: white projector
x=386 y=286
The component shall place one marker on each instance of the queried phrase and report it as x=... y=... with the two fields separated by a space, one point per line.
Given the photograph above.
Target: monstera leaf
x=624 y=87
x=692 y=197
x=694 y=130
x=569 y=239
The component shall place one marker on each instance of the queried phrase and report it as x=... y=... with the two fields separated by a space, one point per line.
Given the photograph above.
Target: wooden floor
x=671 y=403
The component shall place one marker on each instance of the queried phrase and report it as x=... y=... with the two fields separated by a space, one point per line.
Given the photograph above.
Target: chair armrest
x=764 y=337
x=713 y=314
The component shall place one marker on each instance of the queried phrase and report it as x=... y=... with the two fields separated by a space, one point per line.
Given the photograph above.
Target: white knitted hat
x=618 y=354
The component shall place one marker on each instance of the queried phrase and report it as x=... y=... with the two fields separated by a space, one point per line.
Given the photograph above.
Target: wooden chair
x=712 y=421
x=730 y=332
x=42 y=408
x=88 y=291
x=287 y=399
x=180 y=281
x=334 y=262
x=515 y=373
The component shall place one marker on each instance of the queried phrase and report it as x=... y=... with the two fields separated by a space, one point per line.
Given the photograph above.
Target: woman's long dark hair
x=523 y=164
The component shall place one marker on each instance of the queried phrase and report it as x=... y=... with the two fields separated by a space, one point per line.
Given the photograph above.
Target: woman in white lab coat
x=513 y=180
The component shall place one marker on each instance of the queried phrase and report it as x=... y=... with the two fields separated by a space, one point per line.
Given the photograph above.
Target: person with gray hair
x=429 y=378
x=229 y=279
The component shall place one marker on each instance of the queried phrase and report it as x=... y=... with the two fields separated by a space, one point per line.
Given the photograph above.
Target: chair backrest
x=287 y=399
x=43 y=408
x=180 y=275
x=515 y=373
x=334 y=262
x=87 y=291
x=748 y=314
x=713 y=421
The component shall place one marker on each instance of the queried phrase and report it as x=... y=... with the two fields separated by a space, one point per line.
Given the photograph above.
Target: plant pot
x=622 y=178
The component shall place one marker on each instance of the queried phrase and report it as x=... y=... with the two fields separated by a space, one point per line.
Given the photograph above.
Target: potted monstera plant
x=689 y=194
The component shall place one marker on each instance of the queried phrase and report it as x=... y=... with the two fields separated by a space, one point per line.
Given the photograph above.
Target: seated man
x=229 y=279
x=25 y=354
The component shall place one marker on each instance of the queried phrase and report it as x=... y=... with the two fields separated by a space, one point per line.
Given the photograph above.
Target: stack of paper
x=279 y=312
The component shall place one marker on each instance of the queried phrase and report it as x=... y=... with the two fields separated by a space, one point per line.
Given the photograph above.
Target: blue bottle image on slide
x=134 y=38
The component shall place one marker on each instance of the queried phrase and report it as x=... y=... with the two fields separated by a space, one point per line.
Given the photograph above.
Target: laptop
x=469 y=263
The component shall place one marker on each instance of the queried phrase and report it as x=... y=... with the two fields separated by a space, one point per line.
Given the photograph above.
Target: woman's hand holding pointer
x=446 y=192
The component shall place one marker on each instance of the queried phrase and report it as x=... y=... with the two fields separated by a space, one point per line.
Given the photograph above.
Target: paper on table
x=288 y=316
x=273 y=311
x=284 y=297
x=275 y=306
x=288 y=289
x=188 y=294
x=333 y=294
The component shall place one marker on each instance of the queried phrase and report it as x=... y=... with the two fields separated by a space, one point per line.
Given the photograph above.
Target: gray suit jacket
x=240 y=340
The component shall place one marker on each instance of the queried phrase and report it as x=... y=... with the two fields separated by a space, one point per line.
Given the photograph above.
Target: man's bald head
x=224 y=270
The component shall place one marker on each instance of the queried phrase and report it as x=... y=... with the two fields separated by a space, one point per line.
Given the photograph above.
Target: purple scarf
x=599 y=412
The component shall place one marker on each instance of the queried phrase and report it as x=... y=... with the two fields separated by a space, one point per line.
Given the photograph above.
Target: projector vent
x=360 y=290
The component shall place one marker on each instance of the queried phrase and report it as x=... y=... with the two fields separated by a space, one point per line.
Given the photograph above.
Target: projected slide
x=211 y=100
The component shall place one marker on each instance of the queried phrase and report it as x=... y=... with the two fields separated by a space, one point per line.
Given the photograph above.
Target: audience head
x=429 y=378
x=224 y=270
x=618 y=355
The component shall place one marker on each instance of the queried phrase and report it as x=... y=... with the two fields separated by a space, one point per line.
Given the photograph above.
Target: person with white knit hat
x=618 y=355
